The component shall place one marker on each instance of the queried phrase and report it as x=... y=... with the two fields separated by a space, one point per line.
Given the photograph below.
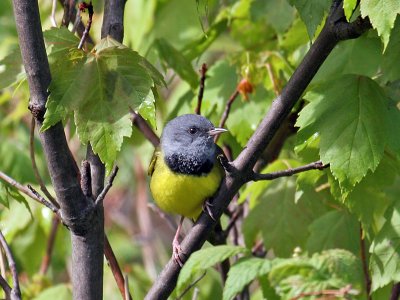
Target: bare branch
x=82 y=7
x=6 y=287
x=395 y=294
x=189 y=287
x=318 y=165
x=50 y=245
x=102 y=195
x=226 y=112
x=15 y=291
x=145 y=128
x=34 y=165
x=203 y=72
x=53 y=14
x=115 y=268
x=364 y=261
x=126 y=287
x=113 y=19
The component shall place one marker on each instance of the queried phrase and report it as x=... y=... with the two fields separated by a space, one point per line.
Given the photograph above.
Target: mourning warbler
x=184 y=170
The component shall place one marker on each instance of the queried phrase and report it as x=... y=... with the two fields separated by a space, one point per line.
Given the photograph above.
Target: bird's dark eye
x=192 y=130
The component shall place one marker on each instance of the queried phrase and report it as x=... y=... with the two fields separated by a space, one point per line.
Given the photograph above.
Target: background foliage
x=333 y=230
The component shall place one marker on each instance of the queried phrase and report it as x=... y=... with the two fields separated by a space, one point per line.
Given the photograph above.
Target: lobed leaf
x=382 y=14
x=203 y=259
x=385 y=252
x=350 y=116
x=311 y=12
x=242 y=273
x=99 y=88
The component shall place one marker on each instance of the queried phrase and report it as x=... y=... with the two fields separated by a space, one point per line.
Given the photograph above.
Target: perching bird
x=184 y=170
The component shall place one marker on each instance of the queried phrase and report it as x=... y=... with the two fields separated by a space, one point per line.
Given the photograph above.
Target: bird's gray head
x=188 y=145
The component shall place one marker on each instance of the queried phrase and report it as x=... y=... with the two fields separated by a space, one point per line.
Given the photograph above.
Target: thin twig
x=275 y=86
x=50 y=245
x=107 y=187
x=395 y=294
x=114 y=266
x=190 y=286
x=317 y=165
x=82 y=7
x=145 y=128
x=126 y=287
x=5 y=286
x=11 y=264
x=225 y=114
x=42 y=200
x=28 y=191
x=347 y=290
x=53 y=14
x=34 y=165
x=364 y=260
x=203 y=72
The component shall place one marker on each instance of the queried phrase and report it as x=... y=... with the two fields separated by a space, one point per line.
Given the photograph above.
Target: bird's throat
x=190 y=165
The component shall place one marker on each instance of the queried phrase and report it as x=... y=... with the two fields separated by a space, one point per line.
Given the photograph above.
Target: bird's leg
x=176 y=245
x=207 y=205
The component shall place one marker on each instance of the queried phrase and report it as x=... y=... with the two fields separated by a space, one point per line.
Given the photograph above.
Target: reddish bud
x=244 y=88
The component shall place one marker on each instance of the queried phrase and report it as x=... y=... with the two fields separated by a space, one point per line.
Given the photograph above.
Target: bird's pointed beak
x=217 y=131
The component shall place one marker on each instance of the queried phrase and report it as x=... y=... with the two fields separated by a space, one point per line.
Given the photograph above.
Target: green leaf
x=349 y=6
x=203 y=259
x=11 y=69
x=177 y=61
x=59 y=40
x=382 y=14
x=349 y=57
x=279 y=14
x=335 y=229
x=331 y=269
x=385 y=251
x=311 y=12
x=390 y=71
x=244 y=272
x=350 y=116
x=59 y=292
x=367 y=200
x=99 y=88
x=282 y=222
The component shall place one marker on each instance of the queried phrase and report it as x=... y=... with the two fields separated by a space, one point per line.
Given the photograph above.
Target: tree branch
x=78 y=212
x=203 y=72
x=34 y=165
x=102 y=195
x=145 y=128
x=82 y=7
x=50 y=245
x=317 y=165
x=113 y=19
x=226 y=112
x=15 y=290
x=263 y=135
x=6 y=287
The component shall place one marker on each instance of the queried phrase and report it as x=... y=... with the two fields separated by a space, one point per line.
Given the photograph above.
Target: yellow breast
x=182 y=194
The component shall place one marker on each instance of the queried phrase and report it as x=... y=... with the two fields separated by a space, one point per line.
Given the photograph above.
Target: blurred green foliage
x=309 y=226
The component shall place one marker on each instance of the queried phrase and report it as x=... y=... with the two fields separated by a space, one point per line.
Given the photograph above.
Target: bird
x=185 y=171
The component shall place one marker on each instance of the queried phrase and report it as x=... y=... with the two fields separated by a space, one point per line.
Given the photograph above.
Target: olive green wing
x=153 y=161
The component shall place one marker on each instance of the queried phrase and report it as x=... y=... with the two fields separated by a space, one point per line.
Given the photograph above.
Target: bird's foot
x=207 y=205
x=177 y=252
x=226 y=164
